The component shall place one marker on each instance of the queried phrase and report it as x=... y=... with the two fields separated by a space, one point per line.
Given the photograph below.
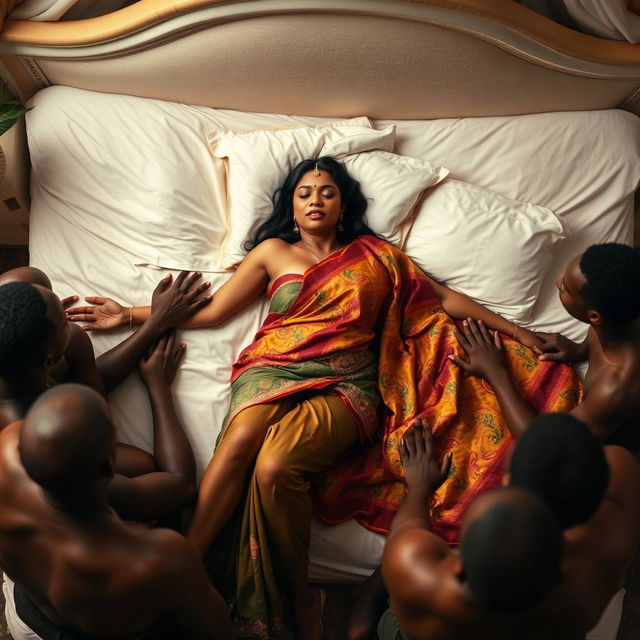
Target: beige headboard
x=389 y=59
x=382 y=58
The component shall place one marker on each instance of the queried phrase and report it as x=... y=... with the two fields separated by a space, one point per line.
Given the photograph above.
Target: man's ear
x=48 y=360
x=595 y=317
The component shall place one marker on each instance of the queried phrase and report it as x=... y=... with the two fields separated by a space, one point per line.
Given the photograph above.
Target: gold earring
x=340 y=227
x=296 y=229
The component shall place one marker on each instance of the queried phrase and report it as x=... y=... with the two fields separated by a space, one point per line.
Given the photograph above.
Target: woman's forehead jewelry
x=316 y=171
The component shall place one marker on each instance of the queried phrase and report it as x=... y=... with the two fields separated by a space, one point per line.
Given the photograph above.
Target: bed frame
x=387 y=59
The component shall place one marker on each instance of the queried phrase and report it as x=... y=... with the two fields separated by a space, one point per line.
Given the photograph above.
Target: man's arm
x=173 y=486
x=486 y=360
x=602 y=410
x=194 y=606
x=413 y=554
x=81 y=361
x=171 y=304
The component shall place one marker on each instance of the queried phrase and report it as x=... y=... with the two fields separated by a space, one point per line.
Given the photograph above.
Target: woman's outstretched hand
x=421 y=471
x=104 y=314
x=485 y=353
x=173 y=301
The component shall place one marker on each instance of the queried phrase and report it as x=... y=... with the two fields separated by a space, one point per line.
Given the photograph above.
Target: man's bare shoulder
x=416 y=564
x=172 y=555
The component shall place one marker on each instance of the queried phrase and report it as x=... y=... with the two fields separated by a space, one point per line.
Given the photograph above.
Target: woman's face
x=317 y=203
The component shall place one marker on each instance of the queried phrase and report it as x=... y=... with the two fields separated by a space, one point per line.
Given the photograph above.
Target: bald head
x=511 y=549
x=30 y=275
x=67 y=441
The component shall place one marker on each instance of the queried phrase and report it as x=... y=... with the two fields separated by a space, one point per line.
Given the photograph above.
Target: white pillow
x=136 y=173
x=392 y=184
x=258 y=162
x=494 y=249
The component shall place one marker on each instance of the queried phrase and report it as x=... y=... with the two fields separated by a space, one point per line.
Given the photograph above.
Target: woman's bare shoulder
x=269 y=249
x=271 y=244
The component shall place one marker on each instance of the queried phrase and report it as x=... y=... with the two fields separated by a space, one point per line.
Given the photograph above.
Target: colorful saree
x=369 y=302
x=366 y=326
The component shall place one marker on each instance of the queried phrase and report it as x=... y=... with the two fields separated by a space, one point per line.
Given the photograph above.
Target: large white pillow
x=583 y=165
x=392 y=184
x=494 y=249
x=138 y=174
x=135 y=173
x=258 y=162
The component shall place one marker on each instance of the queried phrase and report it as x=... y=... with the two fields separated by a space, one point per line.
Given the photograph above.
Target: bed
x=141 y=130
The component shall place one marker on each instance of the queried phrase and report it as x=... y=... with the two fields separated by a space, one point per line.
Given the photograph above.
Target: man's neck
x=24 y=384
x=88 y=508
x=615 y=335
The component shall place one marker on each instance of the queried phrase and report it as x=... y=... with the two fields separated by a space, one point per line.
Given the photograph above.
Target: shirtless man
x=602 y=288
x=33 y=336
x=172 y=302
x=517 y=575
x=77 y=566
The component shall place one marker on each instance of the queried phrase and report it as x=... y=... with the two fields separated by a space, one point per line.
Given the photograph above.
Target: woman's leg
x=224 y=479
x=277 y=518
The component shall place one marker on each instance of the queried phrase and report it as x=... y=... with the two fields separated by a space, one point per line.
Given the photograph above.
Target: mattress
x=93 y=210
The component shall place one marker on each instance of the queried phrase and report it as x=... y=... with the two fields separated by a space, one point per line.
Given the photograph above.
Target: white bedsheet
x=495 y=153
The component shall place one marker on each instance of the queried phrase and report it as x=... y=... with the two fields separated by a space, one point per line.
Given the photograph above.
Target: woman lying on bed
x=355 y=332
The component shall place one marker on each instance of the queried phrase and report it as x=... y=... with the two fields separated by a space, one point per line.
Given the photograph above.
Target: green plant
x=10 y=108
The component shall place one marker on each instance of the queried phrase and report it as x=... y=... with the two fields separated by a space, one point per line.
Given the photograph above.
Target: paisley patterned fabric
x=367 y=326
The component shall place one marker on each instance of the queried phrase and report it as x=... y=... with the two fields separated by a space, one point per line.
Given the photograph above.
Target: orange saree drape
x=367 y=304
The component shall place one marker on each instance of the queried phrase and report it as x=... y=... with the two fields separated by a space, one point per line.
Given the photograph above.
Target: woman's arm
x=461 y=307
x=245 y=285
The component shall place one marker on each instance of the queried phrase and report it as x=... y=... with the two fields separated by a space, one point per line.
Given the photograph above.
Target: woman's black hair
x=280 y=223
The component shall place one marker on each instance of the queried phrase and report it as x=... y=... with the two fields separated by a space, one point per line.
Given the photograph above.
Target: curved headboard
x=391 y=59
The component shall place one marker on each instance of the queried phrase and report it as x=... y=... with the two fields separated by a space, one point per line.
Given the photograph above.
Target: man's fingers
x=180 y=279
x=445 y=468
x=497 y=340
x=427 y=435
x=178 y=354
x=164 y=284
x=473 y=327
x=199 y=290
x=191 y=280
x=555 y=356
x=409 y=441
x=91 y=327
x=418 y=437
x=466 y=329
x=464 y=343
x=169 y=343
x=463 y=364
x=483 y=331
x=67 y=302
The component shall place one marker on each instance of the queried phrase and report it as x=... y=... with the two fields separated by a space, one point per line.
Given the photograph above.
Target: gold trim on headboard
x=396 y=59
x=148 y=13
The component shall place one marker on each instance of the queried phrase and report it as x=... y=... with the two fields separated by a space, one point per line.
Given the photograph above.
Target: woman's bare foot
x=308 y=603
x=370 y=602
